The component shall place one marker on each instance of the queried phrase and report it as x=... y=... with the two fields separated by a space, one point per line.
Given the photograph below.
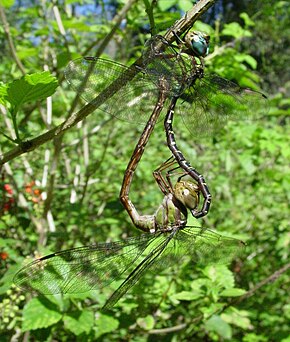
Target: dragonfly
x=169 y=242
x=168 y=73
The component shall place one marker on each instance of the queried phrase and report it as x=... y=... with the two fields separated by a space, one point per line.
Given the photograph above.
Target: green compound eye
x=199 y=43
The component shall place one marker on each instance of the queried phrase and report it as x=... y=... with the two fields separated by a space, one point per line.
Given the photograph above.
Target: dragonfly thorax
x=170 y=214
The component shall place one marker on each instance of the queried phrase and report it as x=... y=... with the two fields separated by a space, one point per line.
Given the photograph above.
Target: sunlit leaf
x=30 y=88
x=39 y=313
x=218 y=325
x=79 y=322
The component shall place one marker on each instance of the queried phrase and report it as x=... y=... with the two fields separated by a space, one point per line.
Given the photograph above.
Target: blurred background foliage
x=65 y=193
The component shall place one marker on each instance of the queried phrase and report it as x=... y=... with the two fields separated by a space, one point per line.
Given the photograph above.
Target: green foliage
x=65 y=193
x=30 y=88
x=39 y=313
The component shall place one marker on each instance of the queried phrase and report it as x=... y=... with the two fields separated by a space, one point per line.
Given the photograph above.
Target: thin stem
x=10 y=41
x=13 y=113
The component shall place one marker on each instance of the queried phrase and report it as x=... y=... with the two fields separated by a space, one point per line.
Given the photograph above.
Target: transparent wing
x=207 y=247
x=203 y=246
x=87 y=268
x=157 y=249
x=124 y=92
x=166 y=67
x=210 y=102
x=83 y=269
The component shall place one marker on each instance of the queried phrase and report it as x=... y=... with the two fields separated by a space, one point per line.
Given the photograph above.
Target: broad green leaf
x=233 y=292
x=222 y=328
x=105 y=324
x=237 y=317
x=79 y=322
x=186 y=295
x=39 y=313
x=146 y=323
x=235 y=30
x=32 y=87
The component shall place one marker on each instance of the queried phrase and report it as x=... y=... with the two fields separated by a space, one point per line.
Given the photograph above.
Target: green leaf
x=39 y=313
x=185 y=5
x=235 y=30
x=247 y=163
x=220 y=274
x=186 y=295
x=146 y=323
x=237 y=317
x=3 y=94
x=7 y=3
x=247 y=20
x=216 y=324
x=79 y=322
x=105 y=324
x=165 y=5
x=232 y=292
x=32 y=87
x=242 y=57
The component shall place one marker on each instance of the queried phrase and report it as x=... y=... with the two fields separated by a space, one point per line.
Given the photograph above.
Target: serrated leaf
x=105 y=324
x=233 y=292
x=216 y=324
x=32 y=87
x=39 y=313
x=79 y=322
x=146 y=323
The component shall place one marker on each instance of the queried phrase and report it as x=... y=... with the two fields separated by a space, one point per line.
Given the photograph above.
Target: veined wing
x=203 y=246
x=211 y=101
x=124 y=92
x=159 y=249
x=208 y=247
x=85 y=268
x=166 y=67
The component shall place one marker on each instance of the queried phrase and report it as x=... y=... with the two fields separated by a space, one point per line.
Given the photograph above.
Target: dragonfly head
x=198 y=43
x=187 y=193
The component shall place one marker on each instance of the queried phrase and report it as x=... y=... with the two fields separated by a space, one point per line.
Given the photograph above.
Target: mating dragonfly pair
x=168 y=73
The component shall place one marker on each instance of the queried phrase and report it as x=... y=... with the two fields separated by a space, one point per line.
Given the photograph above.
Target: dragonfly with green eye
x=169 y=242
x=168 y=72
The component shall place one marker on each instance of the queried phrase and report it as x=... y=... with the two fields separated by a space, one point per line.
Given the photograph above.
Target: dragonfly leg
x=184 y=164
x=165 y=187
